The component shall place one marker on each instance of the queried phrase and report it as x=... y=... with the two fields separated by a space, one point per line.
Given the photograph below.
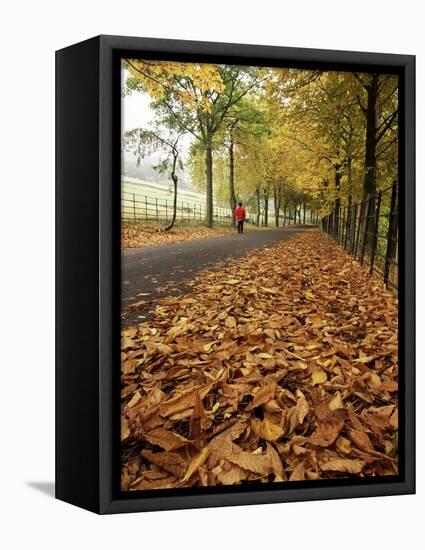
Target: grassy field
x=146 y=201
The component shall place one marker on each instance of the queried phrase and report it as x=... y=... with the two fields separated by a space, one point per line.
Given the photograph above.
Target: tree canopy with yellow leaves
x=304 y=139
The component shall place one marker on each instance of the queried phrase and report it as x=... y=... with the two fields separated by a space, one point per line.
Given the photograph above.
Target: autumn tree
x=378 y=100
x=144 y=142
x=197 y=98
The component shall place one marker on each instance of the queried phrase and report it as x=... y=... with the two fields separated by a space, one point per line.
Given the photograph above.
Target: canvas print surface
x=259 y=236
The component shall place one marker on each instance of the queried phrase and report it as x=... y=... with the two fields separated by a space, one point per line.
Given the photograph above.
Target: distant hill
x=147 y=172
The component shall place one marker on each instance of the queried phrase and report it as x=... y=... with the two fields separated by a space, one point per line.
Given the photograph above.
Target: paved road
x=152 y=273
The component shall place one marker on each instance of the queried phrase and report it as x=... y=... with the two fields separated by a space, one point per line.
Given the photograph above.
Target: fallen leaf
x=197 y=461
x=318 y=376
x=344 y=465
x=166 y=439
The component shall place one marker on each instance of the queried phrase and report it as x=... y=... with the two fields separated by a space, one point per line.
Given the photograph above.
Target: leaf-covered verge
x=282 y=366
x=137 y=235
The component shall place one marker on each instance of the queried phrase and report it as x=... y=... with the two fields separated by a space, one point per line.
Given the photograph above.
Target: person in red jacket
x=240 y=215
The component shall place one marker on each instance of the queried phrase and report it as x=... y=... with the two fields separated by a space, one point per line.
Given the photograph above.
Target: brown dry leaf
x=302 y=408
x=298 y=473
x=326 y=433
x=125 y=432
x=343 y=445
x=197 y=461
x=231 y=474
x=267 y=430
x=135 y=399
x=183 y=402
x=256 y=463
x=263 y=395
x=140 y=234
x=230 y=322
x=345 y=465
x=276 y=462
x=361 y=440
x=282 y=363
x=389 y=385
x=166 y=439
x=197 y=419
x=170 y=462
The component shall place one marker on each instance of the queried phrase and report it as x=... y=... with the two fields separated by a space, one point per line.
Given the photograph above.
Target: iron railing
x=143 y=208
x=368 y=230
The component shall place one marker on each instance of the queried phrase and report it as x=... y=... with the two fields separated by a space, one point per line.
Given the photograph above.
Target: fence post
x=166 y=209
x=342 y=225
x=353 y=229
x=134 y=207
x=156 y=208
x=366 y=227
x=347 y=224
x=391 y=234
x=359 y=226
x=375 y=233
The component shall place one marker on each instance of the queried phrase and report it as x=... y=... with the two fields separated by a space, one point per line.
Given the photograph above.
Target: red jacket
x=240 y=214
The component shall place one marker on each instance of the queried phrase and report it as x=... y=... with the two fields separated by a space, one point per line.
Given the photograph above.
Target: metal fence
x=136 y=207
x=369 y=232
x=142 y=208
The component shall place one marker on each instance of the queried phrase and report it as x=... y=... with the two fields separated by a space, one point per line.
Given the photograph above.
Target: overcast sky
x=136 y=113
x=135 y=109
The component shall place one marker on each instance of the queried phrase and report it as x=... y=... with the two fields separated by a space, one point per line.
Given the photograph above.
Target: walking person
x=240 y=215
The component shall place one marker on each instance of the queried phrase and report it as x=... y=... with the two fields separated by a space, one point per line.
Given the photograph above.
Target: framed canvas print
x=235 y=274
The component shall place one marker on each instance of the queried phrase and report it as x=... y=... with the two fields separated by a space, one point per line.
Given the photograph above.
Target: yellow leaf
x=196 y=463
x=336 y=402
x=374 y=380
x=318 y=376
x=308 y=294
x=265 y=356
x=208 y=347
x=266 y=429
x=343 y=445
x=134 y=400
x=268 y=290
x=230 y=322
x=125 y=432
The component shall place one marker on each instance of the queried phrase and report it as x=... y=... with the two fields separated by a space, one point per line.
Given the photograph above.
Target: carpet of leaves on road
x=282 y=366
x=138 y=235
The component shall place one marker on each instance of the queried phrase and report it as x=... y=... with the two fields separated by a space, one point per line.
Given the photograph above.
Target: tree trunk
x=175 y=180
x=276 y=205
x=304 y=213
x=173 y=220
x=266 y=210
x=369 y=182
x=209 y=181
x=337 y=201
x=232 y=181
x=284 y=213
x=257 y=195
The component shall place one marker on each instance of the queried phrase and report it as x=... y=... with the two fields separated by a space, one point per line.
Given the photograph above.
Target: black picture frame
x=88 y=272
